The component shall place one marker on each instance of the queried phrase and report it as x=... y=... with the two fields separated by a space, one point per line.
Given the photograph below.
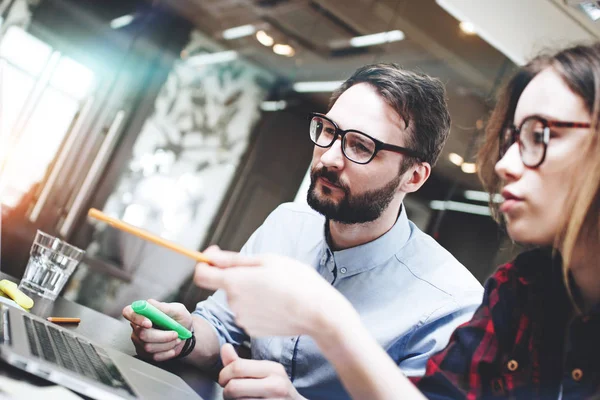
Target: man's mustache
x=330 y=176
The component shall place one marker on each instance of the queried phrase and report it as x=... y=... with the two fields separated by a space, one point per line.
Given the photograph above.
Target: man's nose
x=333 y=157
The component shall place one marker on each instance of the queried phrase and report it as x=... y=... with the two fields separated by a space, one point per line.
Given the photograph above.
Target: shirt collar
x=543 y=267
x=538 y=266
x=372 y=254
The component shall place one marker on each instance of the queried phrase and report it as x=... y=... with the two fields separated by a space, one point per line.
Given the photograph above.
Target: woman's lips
x=508 y=205
x=510 y=201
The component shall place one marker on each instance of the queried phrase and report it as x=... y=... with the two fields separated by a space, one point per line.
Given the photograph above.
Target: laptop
x=61 y=356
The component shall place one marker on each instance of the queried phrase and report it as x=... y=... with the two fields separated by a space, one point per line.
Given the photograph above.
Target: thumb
x=208 y=277
x=173 y=310
x=159 y=304
x=228 y=354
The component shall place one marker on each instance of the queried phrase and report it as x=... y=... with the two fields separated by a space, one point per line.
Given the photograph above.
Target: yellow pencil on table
x=114 y=222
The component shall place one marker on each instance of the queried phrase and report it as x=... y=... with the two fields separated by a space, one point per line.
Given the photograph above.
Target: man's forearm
x=206 y=351
x=364 y=368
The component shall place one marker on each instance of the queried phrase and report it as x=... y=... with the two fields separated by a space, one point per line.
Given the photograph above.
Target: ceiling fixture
x=212 y=58
x=468 y=168
x=460 y=207
x=591 y=9
x=273 y=105
x=476 y=195
x=455 y=159
x=316 y=87
x=239 y=32
x=264 y=38
x=122 y=21
x=377 y=38
x=468 y=28
x=284 y=50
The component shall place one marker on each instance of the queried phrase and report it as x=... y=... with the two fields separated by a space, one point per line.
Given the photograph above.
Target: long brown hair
x=579 y=67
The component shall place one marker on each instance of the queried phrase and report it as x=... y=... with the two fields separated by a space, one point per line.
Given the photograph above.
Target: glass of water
x=51 y=263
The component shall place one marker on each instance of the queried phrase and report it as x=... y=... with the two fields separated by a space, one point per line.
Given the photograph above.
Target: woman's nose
x=510 y=166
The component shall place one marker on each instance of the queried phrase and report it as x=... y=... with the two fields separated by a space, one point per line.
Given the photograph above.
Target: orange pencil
x=64 y=320
x=100 y=216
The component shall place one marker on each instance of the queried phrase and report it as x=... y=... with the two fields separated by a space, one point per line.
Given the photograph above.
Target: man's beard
x=350 y=209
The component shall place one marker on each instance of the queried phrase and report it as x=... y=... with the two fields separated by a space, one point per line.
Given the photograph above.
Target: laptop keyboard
x=73 y=353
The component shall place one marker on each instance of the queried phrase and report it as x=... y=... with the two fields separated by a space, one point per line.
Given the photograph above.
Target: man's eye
x=361 y=147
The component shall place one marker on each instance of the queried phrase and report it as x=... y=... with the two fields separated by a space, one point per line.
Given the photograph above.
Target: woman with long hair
x=537 y=331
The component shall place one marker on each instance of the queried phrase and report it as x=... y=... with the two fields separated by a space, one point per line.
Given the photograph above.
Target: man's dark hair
x=419 y=100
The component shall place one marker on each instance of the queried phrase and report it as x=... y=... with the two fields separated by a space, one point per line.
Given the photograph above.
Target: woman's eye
x=538 y=137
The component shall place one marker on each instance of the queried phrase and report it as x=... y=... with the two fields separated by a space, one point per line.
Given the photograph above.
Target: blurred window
x=41 y=92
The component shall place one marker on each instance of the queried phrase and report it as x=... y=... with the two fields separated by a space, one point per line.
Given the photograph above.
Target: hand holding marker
x=160 y=319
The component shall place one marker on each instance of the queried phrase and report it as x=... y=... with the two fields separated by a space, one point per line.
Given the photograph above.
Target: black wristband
x=188 y=347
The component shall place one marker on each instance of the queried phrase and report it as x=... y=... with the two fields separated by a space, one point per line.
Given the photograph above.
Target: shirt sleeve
x=454 y=372
x=216 y=311
x=432 y=334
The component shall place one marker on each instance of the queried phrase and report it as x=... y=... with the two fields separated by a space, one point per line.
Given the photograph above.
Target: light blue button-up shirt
x=410 y=292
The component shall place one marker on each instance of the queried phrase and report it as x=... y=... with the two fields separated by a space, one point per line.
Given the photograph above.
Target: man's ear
x=415 y=177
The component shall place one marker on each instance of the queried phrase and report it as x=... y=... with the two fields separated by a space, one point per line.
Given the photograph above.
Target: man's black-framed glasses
x=533 y=136
x=357 y=146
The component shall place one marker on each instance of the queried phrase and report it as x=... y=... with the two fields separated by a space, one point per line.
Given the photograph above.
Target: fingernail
x=178 y=341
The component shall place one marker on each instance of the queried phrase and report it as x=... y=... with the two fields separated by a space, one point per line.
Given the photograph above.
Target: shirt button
x=512 y=365
x=343 y=270
x=577 y=374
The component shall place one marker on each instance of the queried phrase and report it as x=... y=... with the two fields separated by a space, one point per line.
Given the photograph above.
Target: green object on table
x=160 y=319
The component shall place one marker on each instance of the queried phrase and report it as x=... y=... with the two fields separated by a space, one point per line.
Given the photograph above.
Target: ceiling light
x=468 y=168
x=273 y=105
x=467 y=28
x=460 y=207
x=212 y=58
x=264 y=38
x=377 y=38
x=455 y=159
x=122 y=21
x=238 y=32
x=315 y=87
x=476 y=195
x=591 y=9
x=284 y=50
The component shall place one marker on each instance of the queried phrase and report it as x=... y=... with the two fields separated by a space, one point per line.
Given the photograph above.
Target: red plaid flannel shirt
x=523 y=342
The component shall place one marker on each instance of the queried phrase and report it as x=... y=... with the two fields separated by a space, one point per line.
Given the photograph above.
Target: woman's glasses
x=533 y=136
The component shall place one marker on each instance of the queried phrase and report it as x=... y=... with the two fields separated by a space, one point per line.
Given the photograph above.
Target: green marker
x=160 y=319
